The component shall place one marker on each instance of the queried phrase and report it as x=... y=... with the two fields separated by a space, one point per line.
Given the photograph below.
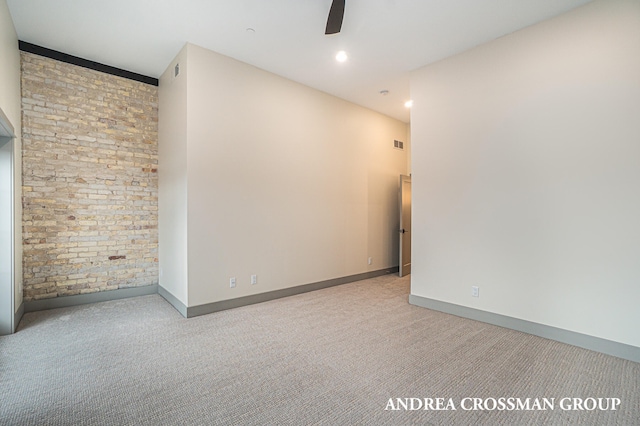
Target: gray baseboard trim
x=83 y=299
x=609 y=347
x=18 y=316
x=209 y=308
x=173 y=301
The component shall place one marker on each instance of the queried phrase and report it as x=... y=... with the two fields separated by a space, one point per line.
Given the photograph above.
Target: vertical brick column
x=90 y=186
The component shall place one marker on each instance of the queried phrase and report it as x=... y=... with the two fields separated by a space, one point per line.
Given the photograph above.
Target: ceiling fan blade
x=336 y=13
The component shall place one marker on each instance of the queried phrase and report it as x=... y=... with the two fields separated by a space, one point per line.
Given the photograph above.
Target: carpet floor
x=338 y=356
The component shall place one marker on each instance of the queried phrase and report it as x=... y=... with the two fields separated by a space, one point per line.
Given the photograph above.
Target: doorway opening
x=405 y=225
x=7 y=296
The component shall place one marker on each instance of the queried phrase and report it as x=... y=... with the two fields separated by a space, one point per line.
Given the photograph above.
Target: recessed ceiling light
x=408 y=104
x=341 y=56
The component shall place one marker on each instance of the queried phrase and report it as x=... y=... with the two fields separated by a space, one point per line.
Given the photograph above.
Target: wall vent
x=398 y=144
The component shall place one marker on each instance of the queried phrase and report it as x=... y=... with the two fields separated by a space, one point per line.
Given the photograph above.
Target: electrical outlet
x=475 y=291
x=370 y=261
x=254 y=279
x=232 y=282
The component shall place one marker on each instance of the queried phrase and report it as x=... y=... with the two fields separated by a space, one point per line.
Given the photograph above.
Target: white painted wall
x=172 y=180
x=284 y=181
x=526 y=174
x=10 y=103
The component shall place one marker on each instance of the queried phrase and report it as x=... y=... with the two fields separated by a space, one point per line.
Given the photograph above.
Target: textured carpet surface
x=334 y=356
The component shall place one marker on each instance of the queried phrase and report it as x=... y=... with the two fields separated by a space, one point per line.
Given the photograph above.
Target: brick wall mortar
x=90 y=187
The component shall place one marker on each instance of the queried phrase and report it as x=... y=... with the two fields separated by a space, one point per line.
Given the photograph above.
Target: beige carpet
x=334 y=357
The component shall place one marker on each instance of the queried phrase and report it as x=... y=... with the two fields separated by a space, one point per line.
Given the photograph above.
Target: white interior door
x=405 y=225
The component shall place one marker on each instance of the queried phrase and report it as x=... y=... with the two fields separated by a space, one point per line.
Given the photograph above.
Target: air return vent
x=398 y=144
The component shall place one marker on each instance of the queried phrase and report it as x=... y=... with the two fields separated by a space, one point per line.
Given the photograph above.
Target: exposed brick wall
x=90 y=187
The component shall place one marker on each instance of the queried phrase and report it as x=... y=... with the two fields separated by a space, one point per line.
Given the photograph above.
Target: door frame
x=7 y=227
x=404 y=229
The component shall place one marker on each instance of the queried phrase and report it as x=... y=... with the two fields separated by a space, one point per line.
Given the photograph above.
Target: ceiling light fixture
x=408 y=104
x=341 y=56
x=384 y=92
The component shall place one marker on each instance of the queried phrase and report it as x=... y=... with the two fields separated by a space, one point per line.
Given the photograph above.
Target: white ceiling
x=385 y=39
